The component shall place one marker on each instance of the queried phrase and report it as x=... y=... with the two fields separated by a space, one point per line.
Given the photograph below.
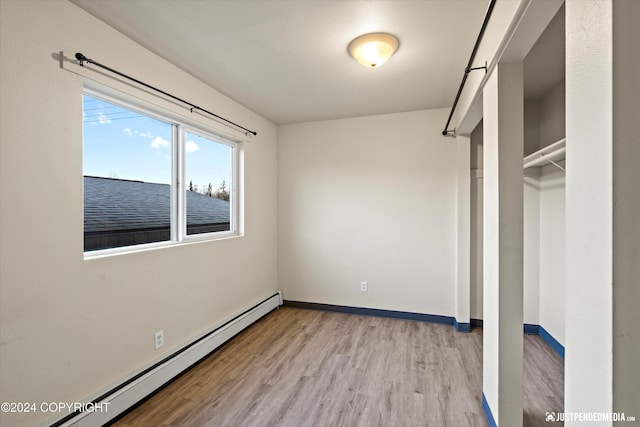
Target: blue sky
x=120 y=143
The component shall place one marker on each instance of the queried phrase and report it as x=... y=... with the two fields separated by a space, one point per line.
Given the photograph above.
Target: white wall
x=503 y=249
x=531 y=267
x=490 y=247
x=531 y=213
x=544 y=217
x=531 y=196
x=476 y=223
x=552 y=115
x=369 y=199
x=462 y=296
x=626 y=211
x=72 y=328
x=552 y=251
x=589 y=206
x=551 y=217
x=531 y=126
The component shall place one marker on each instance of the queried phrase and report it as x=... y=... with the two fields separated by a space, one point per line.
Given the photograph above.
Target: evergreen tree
x=222 y=193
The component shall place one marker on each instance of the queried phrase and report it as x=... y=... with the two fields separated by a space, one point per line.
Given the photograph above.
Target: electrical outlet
x=159 y=339
x=363 y=287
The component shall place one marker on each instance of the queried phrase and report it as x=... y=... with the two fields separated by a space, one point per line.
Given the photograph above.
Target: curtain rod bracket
x=449 y=132
x=485 y=68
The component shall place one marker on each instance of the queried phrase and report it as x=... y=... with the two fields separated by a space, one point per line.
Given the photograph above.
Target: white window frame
x=180 y=125
x=233 y=184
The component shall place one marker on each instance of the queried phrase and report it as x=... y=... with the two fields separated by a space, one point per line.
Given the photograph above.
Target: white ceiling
x=287 y=59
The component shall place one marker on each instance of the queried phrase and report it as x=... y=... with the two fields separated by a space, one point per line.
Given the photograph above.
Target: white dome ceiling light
x=373 y=49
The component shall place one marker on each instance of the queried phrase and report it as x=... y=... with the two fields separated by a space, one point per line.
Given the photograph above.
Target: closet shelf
x=549 y=155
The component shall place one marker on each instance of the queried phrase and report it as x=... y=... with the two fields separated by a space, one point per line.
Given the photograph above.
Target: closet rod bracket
x=449 y=132
x=485 y=68
x=556 y=165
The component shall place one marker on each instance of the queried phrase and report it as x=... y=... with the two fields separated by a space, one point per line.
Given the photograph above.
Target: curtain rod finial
x=80 y=57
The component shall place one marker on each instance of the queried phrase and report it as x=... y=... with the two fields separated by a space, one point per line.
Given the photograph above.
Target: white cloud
x=159 y=142
x=135 y=132
x=103 y=119
x=191 y=146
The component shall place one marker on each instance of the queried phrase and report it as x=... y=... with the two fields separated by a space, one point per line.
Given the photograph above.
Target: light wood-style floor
x=299 y=367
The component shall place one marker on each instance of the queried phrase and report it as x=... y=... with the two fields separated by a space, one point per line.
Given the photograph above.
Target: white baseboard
x=135 y=390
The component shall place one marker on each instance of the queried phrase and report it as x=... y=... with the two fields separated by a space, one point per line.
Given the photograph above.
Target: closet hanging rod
x=468 y=68
x=82 y=59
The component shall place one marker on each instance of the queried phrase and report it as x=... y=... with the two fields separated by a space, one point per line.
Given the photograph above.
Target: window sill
x=128 y=250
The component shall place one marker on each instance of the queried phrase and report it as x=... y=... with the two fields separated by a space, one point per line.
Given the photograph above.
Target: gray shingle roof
x=120 y=205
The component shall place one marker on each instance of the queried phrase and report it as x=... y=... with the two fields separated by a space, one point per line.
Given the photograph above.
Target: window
x=151 y=178
x=208 y=172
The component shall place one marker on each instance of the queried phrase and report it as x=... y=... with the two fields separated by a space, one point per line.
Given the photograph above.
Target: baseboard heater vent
x=126 y=395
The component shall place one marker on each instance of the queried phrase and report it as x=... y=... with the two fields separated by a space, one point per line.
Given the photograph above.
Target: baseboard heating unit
x=128 y=394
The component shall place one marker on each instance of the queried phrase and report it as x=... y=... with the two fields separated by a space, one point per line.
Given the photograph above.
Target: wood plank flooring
x=299 y=367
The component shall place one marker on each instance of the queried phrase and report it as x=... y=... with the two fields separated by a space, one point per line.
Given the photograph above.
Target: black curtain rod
x=80 y=57
x=468 y=69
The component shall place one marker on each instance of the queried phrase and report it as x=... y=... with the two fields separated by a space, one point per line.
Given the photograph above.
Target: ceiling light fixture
x=373 y=49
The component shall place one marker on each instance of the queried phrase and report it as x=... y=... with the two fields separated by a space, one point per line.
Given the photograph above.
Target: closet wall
x=544 y=196
x=552 y=252
x=544 y=189
x=475 y=272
